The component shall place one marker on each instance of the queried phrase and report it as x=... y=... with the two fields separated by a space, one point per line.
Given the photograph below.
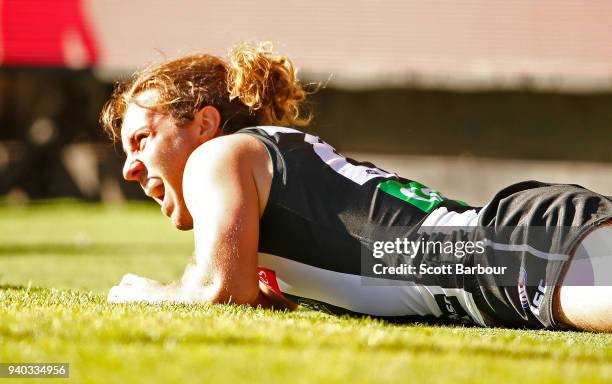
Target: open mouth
x=154 y=188
x=159 y=199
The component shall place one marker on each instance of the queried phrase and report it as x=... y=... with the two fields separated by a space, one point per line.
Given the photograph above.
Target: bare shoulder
x=229 y=159
x=219 y=150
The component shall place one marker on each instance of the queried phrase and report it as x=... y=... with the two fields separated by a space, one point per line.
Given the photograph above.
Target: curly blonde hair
x=256 y=86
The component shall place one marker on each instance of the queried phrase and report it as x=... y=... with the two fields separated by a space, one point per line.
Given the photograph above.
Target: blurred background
x=465 y=97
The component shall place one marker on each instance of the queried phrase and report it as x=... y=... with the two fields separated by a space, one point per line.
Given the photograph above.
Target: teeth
x=152 y=183
x=153 y=187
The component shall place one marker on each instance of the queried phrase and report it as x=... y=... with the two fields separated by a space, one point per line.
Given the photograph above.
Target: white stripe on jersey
x=272 y=129
x=435 y=222
x=442 y=217
x=350 y=291
x=373 y=296
x=359 y=174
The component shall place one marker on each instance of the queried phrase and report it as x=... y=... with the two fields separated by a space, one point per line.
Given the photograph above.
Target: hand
x=133 y=288
x=136 y=289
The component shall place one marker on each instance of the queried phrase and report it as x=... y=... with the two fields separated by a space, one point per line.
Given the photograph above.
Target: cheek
x=172 y=160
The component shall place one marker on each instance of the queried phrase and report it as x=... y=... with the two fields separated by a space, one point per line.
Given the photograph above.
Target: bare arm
x=222 y=195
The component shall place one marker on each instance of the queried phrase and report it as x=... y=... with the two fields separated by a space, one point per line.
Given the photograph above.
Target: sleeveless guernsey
x=319 y=217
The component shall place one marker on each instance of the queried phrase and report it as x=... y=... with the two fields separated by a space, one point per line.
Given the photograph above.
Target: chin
x=181 y=223
x=183 y=226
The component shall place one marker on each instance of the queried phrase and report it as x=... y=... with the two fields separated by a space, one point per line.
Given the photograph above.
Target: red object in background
x=37 y=32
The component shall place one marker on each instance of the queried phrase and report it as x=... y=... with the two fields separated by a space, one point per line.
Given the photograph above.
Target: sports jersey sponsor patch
x=415 y=193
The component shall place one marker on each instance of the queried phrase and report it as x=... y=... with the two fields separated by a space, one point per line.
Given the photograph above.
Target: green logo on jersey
x=426 y=199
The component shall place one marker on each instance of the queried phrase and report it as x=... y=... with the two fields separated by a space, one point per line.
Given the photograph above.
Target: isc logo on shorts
x=522 y=289
x=524 y=296
x=538 y=297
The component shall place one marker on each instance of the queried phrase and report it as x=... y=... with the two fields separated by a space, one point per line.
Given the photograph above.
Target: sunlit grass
x=57 y=261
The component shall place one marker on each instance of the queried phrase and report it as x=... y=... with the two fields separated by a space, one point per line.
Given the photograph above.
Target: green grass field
x=58 y=260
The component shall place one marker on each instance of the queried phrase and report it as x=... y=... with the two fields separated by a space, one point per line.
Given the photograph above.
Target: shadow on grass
x=19 y=287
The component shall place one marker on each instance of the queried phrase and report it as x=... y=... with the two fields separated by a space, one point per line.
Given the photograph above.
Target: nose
x=132 y=169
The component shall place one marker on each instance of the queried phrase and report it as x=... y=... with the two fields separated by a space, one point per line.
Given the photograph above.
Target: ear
x=208 y=120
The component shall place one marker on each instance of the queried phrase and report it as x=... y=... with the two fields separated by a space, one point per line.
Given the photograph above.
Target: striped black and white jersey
x=325 y=214
x=324 y=209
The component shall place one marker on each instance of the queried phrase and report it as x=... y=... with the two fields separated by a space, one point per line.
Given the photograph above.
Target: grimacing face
x=157 y=150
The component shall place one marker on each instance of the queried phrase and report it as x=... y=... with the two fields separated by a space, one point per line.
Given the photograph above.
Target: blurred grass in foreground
x=89 y=247
x=65 y=244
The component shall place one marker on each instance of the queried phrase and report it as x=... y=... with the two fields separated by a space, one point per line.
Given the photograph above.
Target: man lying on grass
x=280 y=218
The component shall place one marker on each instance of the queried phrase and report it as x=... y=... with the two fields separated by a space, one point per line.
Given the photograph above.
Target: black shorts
x=536 y=228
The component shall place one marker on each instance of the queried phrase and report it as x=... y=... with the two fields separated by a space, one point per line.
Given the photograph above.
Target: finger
x=134 y=294
x=137 y=281
x=150 y=283
x=127 y=294
x=117 y=294
x=131 y=279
